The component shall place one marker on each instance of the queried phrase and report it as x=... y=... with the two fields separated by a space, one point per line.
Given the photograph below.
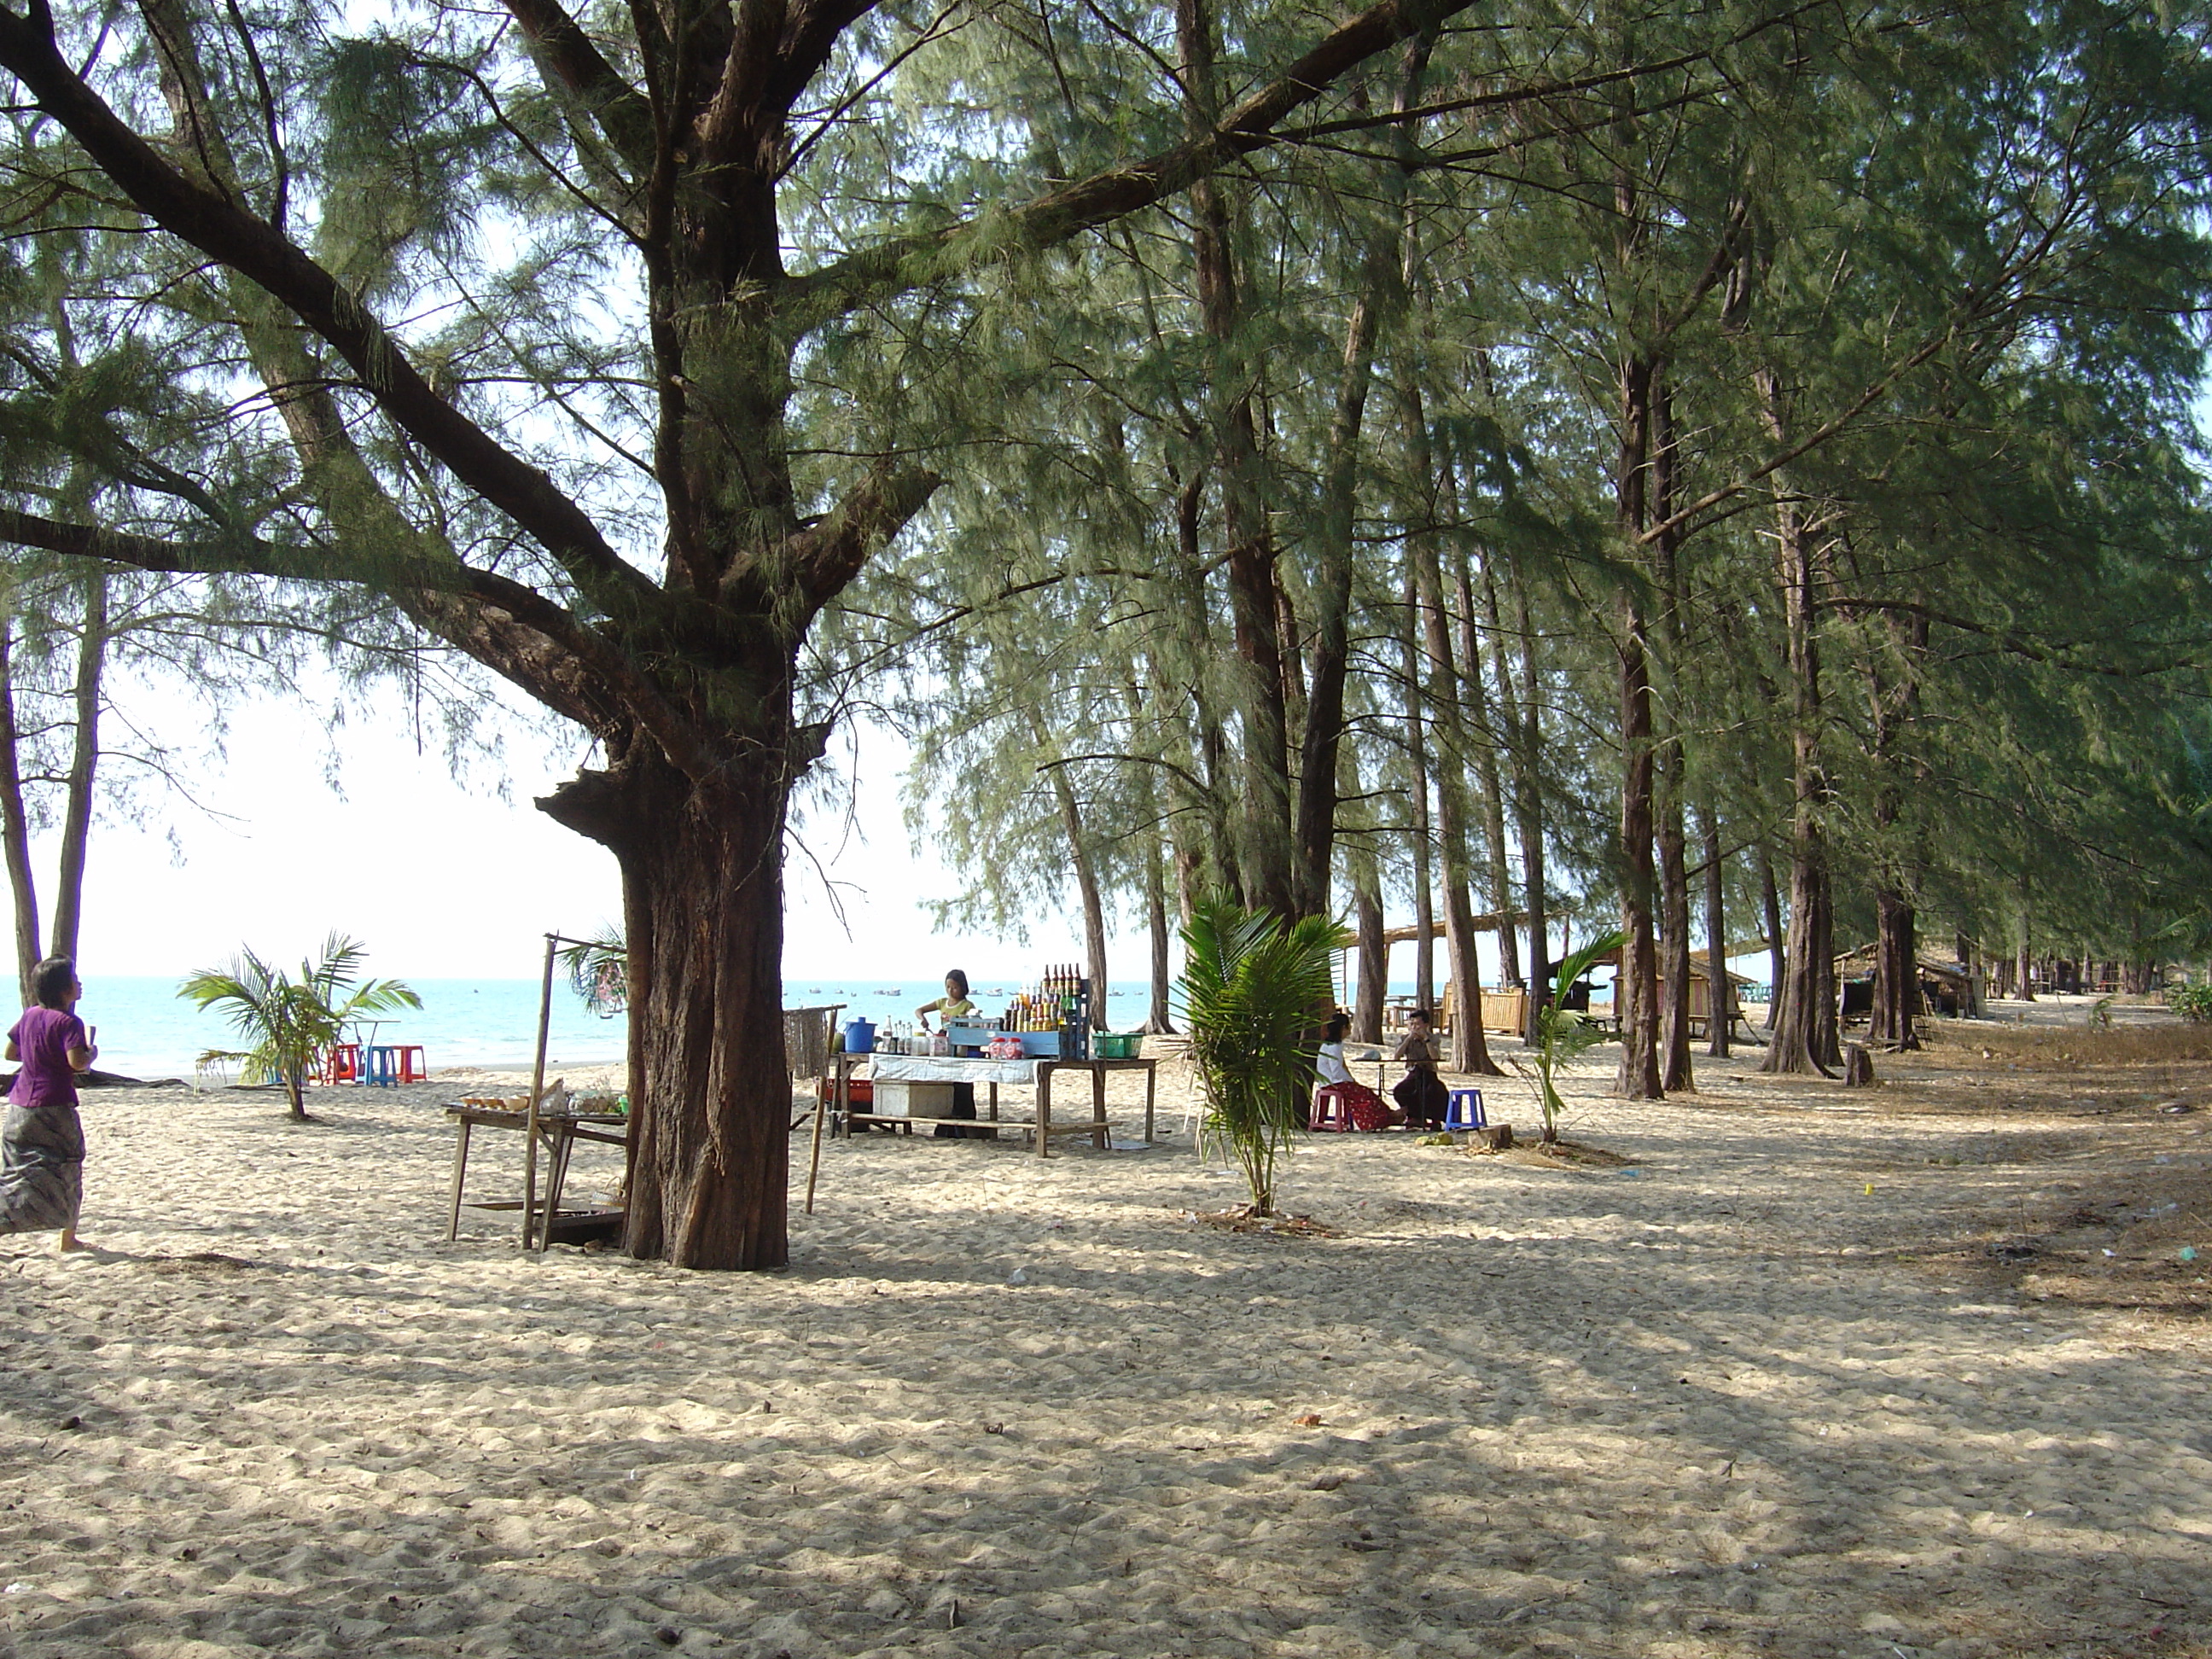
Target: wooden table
x=1046 y=1070
x=991 y=1072
x=841 y=1112
x=560 y=1131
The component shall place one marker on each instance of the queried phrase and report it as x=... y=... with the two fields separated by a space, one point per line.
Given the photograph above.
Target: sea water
x=147 y=1031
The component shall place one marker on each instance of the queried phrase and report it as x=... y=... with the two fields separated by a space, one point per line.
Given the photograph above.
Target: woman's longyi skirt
x=41 y=1169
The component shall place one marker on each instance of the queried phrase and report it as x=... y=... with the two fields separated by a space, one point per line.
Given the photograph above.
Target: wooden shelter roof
x=1700 y=968
x=1863 y=959
x=1488 y=922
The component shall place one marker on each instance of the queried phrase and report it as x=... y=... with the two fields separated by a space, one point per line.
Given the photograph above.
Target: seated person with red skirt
x=1361 y=1105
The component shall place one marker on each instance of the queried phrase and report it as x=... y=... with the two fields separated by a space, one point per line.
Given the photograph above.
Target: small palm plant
x=1562 y=1033
x=1250 y=989
x=291 y=1022
x=598 y=971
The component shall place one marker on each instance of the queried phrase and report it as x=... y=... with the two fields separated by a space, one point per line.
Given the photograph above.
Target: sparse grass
x=2058 y=1047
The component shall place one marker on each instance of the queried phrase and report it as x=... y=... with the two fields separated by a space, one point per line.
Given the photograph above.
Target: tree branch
x=908 y=262
x=565 y=52
x=476 y=611
x=824 y=558
x=2016 y=643
x=235 y=238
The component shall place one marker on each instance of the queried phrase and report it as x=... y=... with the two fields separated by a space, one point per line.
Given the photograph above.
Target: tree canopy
x=1299 y=453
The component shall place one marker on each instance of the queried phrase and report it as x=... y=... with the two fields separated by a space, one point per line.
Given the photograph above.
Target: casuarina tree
x=645 y=233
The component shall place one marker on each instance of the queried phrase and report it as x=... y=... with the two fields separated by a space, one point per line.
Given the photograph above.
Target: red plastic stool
x=1330 y=1113
x=343 y=1063
x=413 y=1068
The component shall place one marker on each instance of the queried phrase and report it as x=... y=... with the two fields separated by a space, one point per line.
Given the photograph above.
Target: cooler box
x=895 y=1098
x=859 y=1091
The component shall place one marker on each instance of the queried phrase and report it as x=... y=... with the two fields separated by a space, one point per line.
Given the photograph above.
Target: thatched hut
x=1946 y=987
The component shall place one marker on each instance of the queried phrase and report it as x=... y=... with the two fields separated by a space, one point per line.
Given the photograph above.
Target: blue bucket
x=860 y=1037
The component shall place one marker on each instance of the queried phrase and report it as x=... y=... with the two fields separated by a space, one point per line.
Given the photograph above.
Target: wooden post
x=814 y=1154
x=536 y=1088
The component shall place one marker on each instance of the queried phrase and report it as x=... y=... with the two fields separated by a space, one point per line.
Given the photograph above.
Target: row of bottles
x=900 y=1037
x=1060 y=997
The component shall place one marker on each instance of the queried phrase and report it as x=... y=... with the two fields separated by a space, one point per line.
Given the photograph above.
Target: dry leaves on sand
x=1239 y=1218
x=1552 y=1155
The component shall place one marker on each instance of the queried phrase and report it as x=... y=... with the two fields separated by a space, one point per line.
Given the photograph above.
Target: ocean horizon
x=146 y=1031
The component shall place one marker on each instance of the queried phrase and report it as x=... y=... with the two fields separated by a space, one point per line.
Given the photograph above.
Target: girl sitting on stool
x=1363 y=1107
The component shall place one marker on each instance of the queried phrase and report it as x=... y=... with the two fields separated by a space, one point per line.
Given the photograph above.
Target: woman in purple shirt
x=42 y=1146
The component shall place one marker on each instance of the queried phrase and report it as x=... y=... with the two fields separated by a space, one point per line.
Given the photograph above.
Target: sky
x=457 y=876
x=447 y=876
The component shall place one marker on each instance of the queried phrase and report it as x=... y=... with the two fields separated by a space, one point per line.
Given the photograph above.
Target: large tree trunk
x=15 y=822
x=1470 y=1049
x=1635 y=984
x=1671 y=763
x=1720 y=1002
x=710 y=1104
x=1896 y=972
x=1778 y=955
x=1374 y=954
x=1086 y=886
x=1331 y=607
x=1805 y=1035
x=1480 y=731
x=1529 y=805
x=1892 y=711
x=1264 y=850
x=1970 y=959
x=2025 y=990
x=1205 y=860
x=1417 y=781
x=84 y=767
x=1674 y=1072
x=1157 y=1019
x=1085 y=869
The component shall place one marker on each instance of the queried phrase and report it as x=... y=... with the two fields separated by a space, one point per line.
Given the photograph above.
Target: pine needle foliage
x=1250 y=989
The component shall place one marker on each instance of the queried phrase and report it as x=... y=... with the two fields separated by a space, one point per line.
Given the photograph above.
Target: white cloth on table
x=934 y=1068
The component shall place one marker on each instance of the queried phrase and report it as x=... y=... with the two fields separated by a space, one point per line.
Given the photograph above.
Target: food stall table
x=929 y=1069
x=1039 y=1073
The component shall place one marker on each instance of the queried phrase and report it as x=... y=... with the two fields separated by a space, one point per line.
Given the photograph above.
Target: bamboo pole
x=821 y=1111
x=537 y=1088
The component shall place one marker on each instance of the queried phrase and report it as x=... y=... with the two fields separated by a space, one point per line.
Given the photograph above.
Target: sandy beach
x=1912 y=1370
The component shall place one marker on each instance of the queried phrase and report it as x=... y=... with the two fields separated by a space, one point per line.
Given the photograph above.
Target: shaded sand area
x=1819 y=1372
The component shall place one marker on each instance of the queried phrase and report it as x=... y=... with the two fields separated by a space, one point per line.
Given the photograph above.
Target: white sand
x=1731 y=1403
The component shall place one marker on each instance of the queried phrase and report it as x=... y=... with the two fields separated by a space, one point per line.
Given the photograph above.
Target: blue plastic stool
x=1465 y=1110
x=381 y=1069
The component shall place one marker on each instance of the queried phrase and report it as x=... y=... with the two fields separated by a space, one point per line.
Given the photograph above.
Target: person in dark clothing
x=1420 y=1093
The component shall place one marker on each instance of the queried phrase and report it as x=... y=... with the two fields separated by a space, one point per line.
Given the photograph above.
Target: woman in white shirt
x=1361 y=1105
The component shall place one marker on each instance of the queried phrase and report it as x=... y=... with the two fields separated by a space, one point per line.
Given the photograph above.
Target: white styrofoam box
x=897 y=1099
